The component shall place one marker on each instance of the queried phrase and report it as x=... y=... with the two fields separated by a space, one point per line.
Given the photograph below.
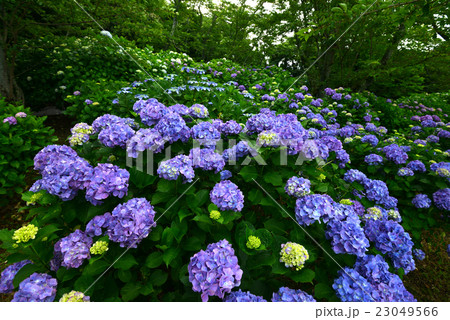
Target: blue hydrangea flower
x=7 y=276
x=441 y=199
x=108 y=120
x=106 y=179
x=71 y=251
x=343 y=157
x=419 y=254
x=230 y=127
x=390 y=238
x=205 y=134
x=405 y=172
x=151 y=113
x=97 y=225
x=172 y=168
x=39 y=287
x=117 y=134
x=286 y=294
x=131 y=222
x=227 y=196
x=298 y=187
x=332 y=143
x=198 y=111
x=353 y=175
x=347 y=236
x=145 y=139
x=206 y=159
x=433 y=139
x=376 y=190
x=373 y=159
x=311 y=208
x=370 y=139
x=260 y=122
x=173 y=128
x=395 y=153
x=416 y=166
x=214 y=271
x=225 y=175
x=48 y=154
x=350 y=286
x=237 y=152
x=181 y=109
x=240 y=296
x=421 y=201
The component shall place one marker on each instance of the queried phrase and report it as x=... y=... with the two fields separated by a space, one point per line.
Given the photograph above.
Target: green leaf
x=24 y=273
x=166 y=185
x=192 y=244
x=248 y=173
x=154 y=260
x=170 y=254
x=274 y=178
x=130 y=291
x=161 y=197
x=158 y=277
x=321 y=290
x=96 y=267
x=125 y=262
x=255 y=196
x=304 y=275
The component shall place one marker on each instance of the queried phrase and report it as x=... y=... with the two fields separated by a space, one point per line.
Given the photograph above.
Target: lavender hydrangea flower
x=227 y=196
x=152 y=112
x=373 y=159
x=198 y=111
x=11 y=120
x=106 y=121
x=442 y=199
x=145 y=139
x=421 y=201
x=370 y=139
x=173 y=128
x=205 y=134
x=416 y=166
x=298 y=187
x=116 y=134
x=353 y=175
x=172 y=168
x=260 y=122
x=39 y=287
x=48 y=154
x=7 y=276
x=131 y=222
x=390 y=237
x=347 y=236
x=343 y=157
x=311 y=208
x=376 y=190
x=214 y=271
x=332 y=143
x=286 y=294
x=71 y=251
x=433 y=139
x=405 y=172
x=206 y=159
x=240 y=296
x=181 y=109
x=395 y=153
x=350 y=286
x=225 y=175
x=419 y=254
x=231 y=127
x=106 y=180
x=97 y=225
x=238 y=151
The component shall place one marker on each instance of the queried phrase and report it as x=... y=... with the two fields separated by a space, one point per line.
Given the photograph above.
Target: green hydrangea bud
x=373 y=213
x=35 y=197
x=99 y=247
x=293 y=255
x=74 y=296
x=394 y=214
x=25 y=234
x=215 y=215
x=112 y=158
x=322 y=177
x=346 y=201
x=348 y=140
x=253 y=242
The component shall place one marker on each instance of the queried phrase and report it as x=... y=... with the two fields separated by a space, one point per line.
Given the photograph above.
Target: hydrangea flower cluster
x=240 y=296
x=421 y=201
x=99 y=247
x=214 y=271
x=347 y=236
x=293 y=255
x=173 y=128
x=25 y=234
x=131 y=222
x=106 y=180
x=116 y=135
x=39 y=287
x=241 y=149
x=230 y=127
x=311 y=208
x=370 y=139
x=285 y=294
x=145 y=139
x=7 y=276
x=198 y=111
x=206 y=159
x=419 y=254
x=268 y=138
x=390 y=238
x=298 y=187
x=260 y=122
x=395 y=153
x=172 y=168
x=373 y=159
x=71 y=251
x=74 y=296
x=227 y=196
x=11 y=120
x=442 y=199
x=350 y=286
x=416 y=166
x=205 y=134
x=405 y=172
x=253 y=242
x=97 y=224
x=354 y=175
x=215 y=215
x=225 y=175
x=152 y=112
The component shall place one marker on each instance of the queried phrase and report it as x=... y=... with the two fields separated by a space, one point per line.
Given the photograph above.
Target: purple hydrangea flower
x=433 y=139
x=206 y=159
x=260 y=122
x=370 y=139
x=238 y=151
x=350 y=286
x=347 y=236
x=172 y=168
x=373 y=159
x=97 y=225
x=395 y=153
x=21 y=115
x=227 y=196
x=225 y=175
x=332 y=143
x=353 y=175
x=286 y=294
x=311 y=208
x=240 y=296
x=152 y=112
x=88 y=101
x=214 y=271
x=298 y=187
x=131 y=222
x=116 y=134
x=145 y=139
x=376 y=190
x=71 y=251
x=198 y=111
x=10 y=120
x=420 y=141
x=106 y=121
x=106 y=180
x=181 y=109
x=390 y=238
x=48 y=154
x=419 y=254
x=405 y=172
x=205 y=134
x=231 y=127
x=417 y=166
x=343 y=157
x=173 y=128
x=441 y=199
x=7 y=276
x=39 y=287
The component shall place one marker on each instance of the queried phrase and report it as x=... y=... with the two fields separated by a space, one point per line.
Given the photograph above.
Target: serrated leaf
x=170 y=254
x=158 y=277
x=304 y=275
x=154 y=259
x=125 y=262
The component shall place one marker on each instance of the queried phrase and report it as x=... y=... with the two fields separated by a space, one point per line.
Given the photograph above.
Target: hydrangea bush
x=233 y=193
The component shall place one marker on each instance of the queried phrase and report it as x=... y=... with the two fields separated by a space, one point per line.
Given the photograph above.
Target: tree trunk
x=8 y=85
